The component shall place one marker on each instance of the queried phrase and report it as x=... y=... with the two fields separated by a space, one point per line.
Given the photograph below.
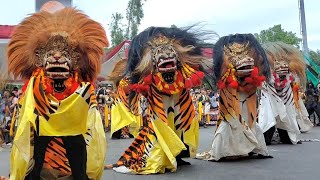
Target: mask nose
x=57 y=55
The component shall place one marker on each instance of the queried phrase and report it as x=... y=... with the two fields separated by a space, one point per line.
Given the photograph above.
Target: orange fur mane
x=86 y=35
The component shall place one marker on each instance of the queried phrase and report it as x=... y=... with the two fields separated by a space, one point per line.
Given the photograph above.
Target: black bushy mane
x=140 y=42
x=239 y=38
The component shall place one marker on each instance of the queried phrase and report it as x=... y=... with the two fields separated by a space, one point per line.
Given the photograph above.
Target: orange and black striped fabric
x=187 y=112
x=230 y=106
x=136 y=155
x=45 y=104
x=56 y=158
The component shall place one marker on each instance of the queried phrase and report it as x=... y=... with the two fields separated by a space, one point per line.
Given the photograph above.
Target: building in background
x=51 y=6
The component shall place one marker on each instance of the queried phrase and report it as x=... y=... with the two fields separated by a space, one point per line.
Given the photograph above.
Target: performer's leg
x=284 y=137
x=268 y=135
x=116 y=135
x=310 y=111
x=208 y=119
x=204 y=121
x=77 y=156
x=40 y=146
x=183 y=154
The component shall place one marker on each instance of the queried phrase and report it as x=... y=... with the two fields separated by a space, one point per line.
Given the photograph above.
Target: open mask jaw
x=168 y=77
x=57 y=70
x=282 y=71
x=167 y=68
x=167 y=65
x=244 y=67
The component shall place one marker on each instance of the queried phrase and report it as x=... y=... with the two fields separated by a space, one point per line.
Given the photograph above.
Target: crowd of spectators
x=8 y=109
x=206 y=103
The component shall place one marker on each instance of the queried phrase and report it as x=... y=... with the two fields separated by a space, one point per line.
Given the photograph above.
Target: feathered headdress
x=81 y=34
x=280 y=51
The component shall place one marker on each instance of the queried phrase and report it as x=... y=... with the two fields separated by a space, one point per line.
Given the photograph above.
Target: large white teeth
x=58 y=73
x=65 y=66
x=167 y=69
x=166 y=61
x=245 y=70
x=245 y=64
x=282 y=71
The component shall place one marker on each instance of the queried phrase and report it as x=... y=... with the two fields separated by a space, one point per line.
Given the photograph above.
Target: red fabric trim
x=6 y=31
x=115 y=50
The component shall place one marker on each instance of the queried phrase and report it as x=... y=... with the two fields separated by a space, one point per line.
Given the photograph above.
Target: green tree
x=276 y=33
x=315 y=56
x=134 y=15
x=117 y=32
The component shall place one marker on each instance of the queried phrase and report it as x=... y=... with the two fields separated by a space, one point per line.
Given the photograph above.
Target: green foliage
x=315 y=56
x=117 y=32
x=134 y=15
x=276 y=33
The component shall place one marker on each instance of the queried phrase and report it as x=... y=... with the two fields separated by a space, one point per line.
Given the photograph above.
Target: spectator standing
x=311 y=98
x=3 y=103
x=6 y=133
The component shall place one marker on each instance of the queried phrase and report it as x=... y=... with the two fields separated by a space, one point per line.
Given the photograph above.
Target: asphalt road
x=290 y=162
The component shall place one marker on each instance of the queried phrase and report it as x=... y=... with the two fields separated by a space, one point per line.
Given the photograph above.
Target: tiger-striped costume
x=288 y=69
x=124 y=123
x=52 y=154
x=60 y=133
x=162 y=66
x=239 y=62
x=286 y=94
x=302 y=114
x=280 y=106
x=174 y=111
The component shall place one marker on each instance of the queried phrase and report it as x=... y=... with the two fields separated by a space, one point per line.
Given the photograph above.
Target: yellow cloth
x=106 y=116
x=160 y=141
x=13 y=121
x=191 y=138
x=134 y=127
x=121 y=117
x=164 y=151
x=68 y=112
x=96 y=145
x=166 y=145
x=208 y=118
x=200 y=111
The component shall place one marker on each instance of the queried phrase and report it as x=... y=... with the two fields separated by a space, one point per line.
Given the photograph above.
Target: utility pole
x=303 y=28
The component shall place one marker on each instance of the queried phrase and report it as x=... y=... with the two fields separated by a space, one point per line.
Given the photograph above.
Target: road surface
x=290 y=162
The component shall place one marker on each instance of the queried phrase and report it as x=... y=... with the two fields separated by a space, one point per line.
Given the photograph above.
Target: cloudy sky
x=221 y=16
